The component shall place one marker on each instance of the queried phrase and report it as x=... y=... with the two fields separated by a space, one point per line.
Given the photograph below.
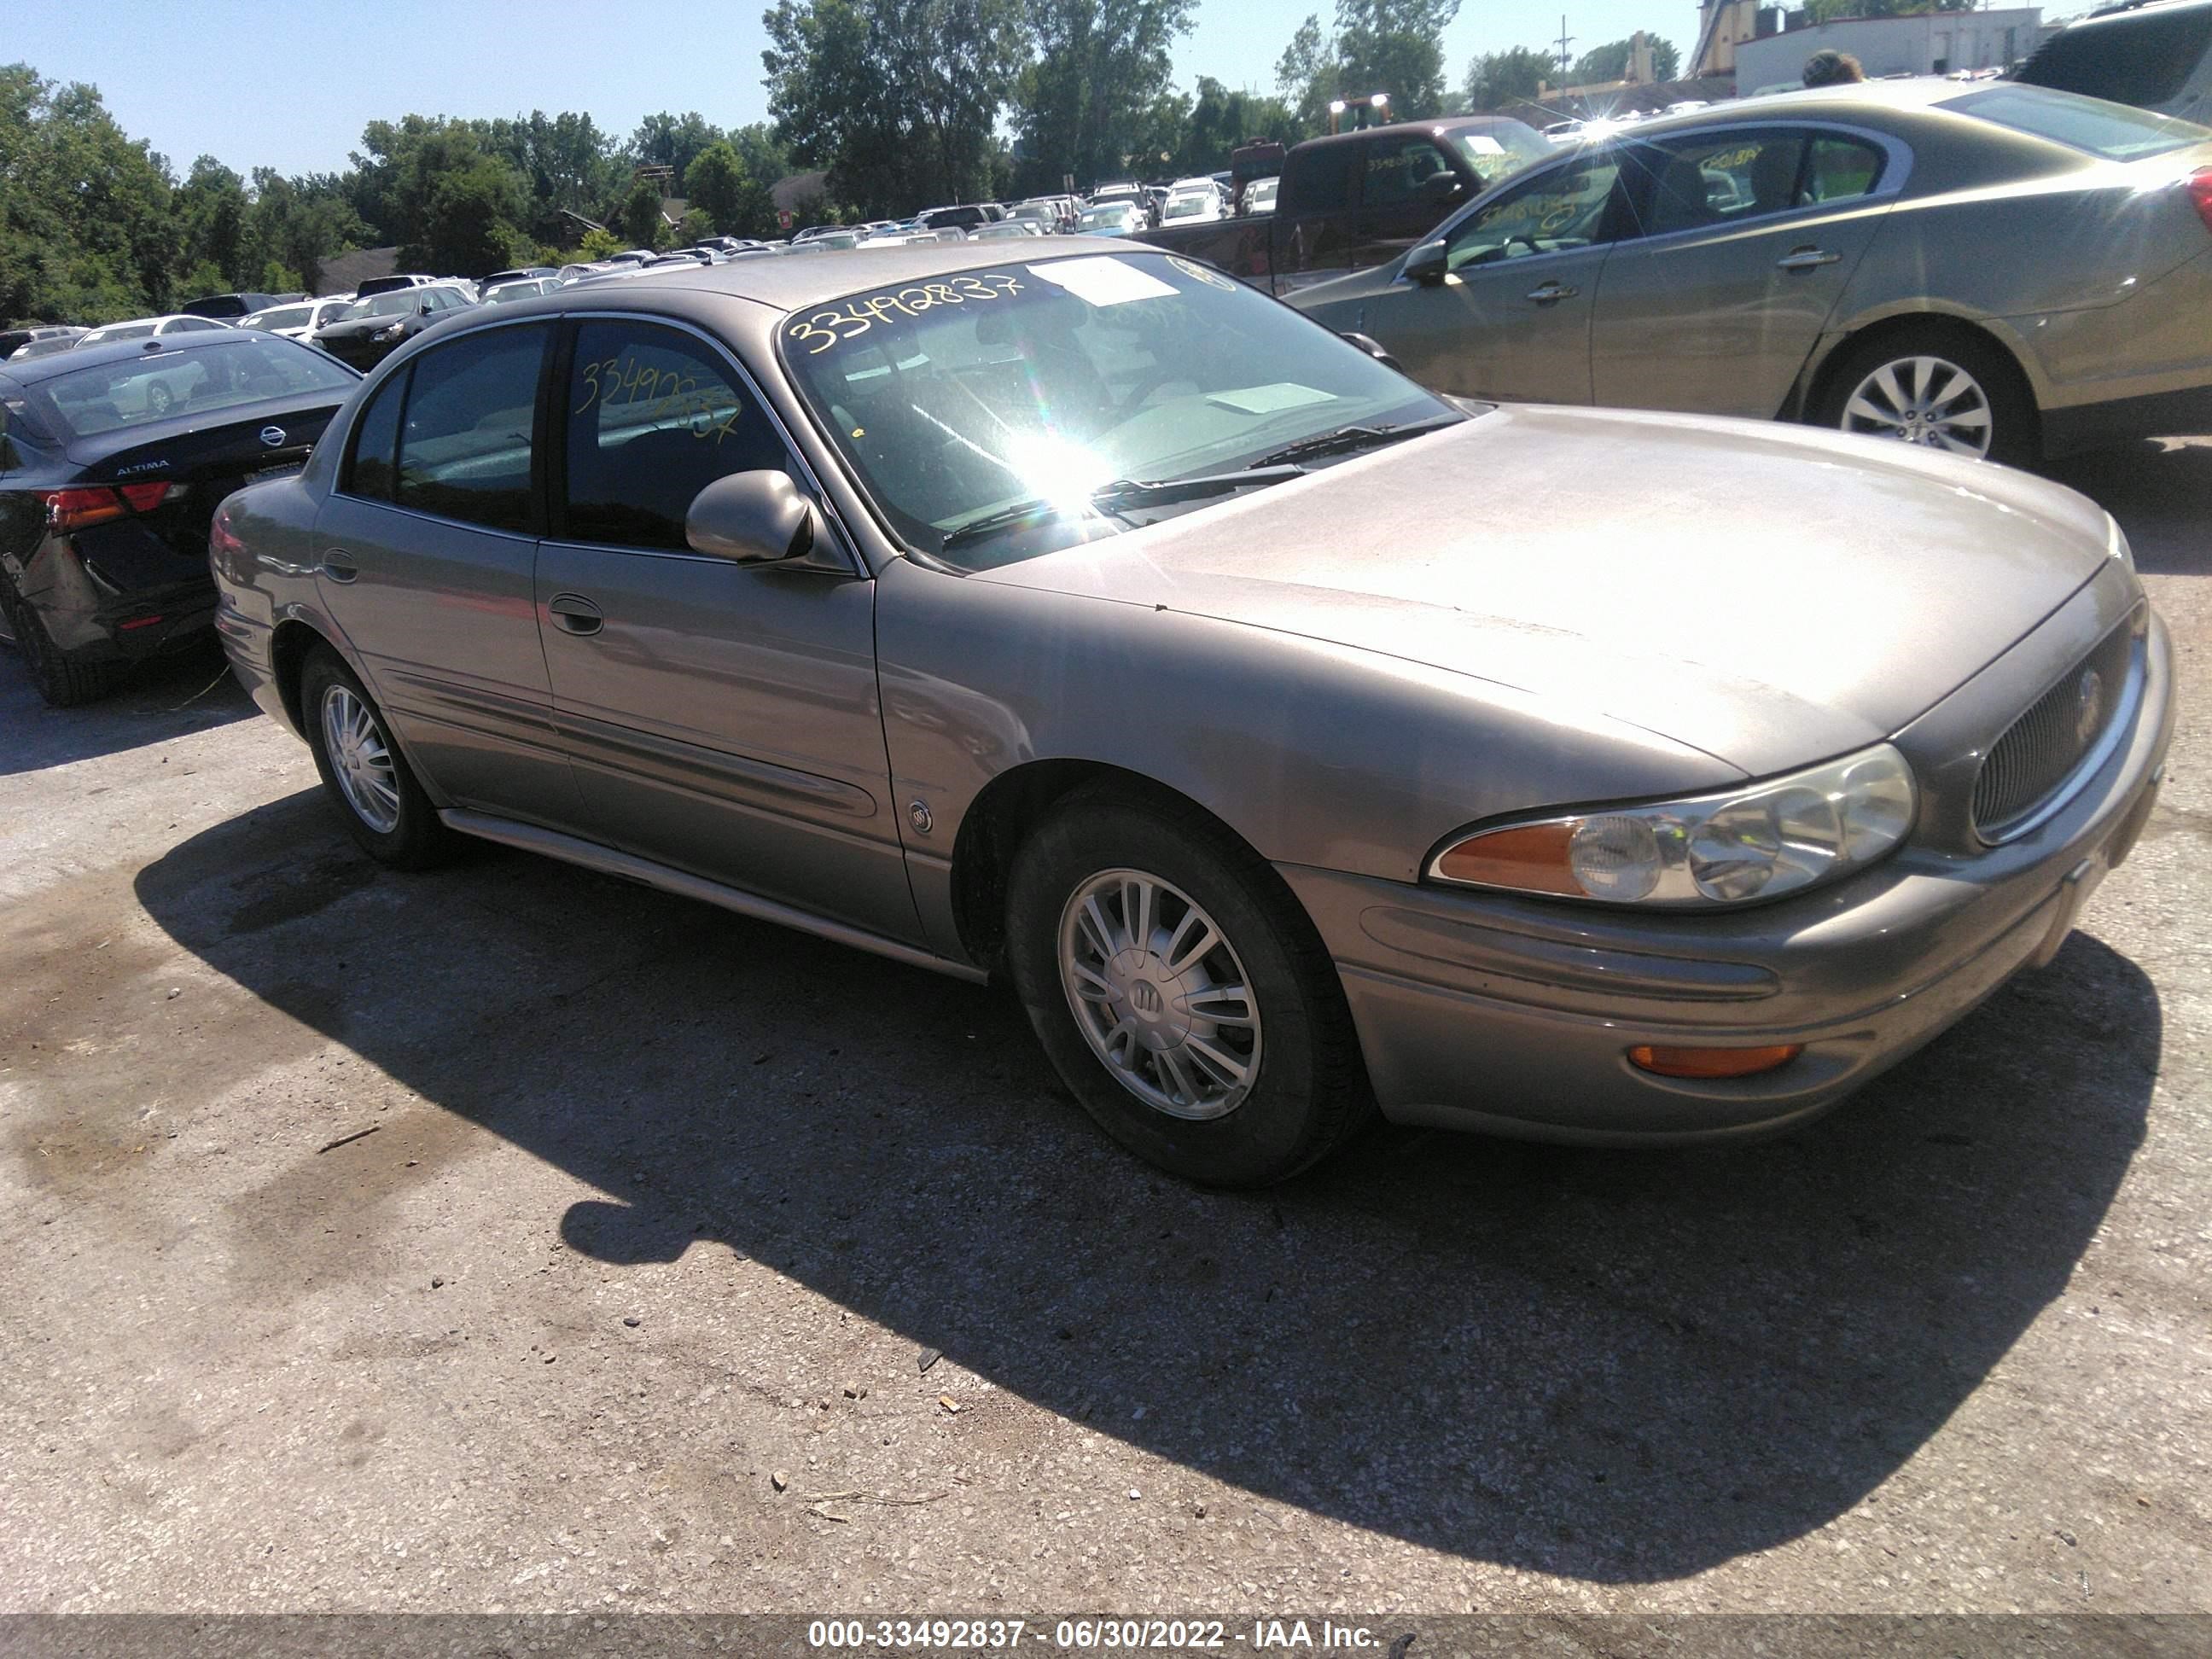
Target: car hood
x=1766 y=593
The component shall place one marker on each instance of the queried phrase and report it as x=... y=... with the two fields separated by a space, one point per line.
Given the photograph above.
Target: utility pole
x=1566 y=58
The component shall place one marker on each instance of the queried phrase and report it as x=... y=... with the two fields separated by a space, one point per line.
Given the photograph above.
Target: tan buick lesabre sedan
x=1296 y=741
x=1983 y=268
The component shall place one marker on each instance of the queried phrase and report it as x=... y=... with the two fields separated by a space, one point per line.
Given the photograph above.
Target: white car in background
x=300 y=321
x=145 y=328
x=1193 y=202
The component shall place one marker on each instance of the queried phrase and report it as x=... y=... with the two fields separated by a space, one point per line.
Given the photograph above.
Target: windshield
x=1187 y=207
x=957 y=398
x=1505 y=149
x=282 y=317
x=2113 y=131
x=108 y=397
x=396 y=303
x=1105 y=218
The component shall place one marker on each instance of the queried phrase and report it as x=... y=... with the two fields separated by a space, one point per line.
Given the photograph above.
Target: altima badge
x=273 y=436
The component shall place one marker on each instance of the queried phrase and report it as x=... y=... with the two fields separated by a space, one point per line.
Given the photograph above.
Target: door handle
x=574 y=614
x=1552 y=293
x=1806 y=258
x=338 y=566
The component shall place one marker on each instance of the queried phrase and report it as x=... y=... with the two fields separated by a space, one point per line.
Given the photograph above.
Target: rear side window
x=2112 y=131
x=2143 y=60
x=373 y=463
x=465 y=444
x=1320 y=179
x=654 y=417
x=1838 y=169
x=1394 y=172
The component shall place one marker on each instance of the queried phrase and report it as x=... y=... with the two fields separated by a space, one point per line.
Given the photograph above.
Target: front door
x=1749 y=237
x=425 y=553
x=1510 y=318
x=722 y=717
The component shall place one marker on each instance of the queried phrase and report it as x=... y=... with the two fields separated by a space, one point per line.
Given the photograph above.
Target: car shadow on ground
x=161 y=700
x=2157 y=489
x=1618 y=1366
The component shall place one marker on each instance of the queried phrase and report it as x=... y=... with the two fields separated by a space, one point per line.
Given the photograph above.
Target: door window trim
x=555 y=407
x=1896 y=168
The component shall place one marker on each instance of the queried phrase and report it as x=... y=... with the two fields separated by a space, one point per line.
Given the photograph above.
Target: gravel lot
x=510 y=1238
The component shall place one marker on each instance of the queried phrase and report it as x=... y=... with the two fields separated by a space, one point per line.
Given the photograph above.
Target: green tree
x=212 y=212
x=673 y=140
x=735 y=201
x=762 y=153
x=1829 y=11
x=1495 y=79
x=640 y=214
x=1394 y=47
x=598 y=244
x=1610 y=62
x=898 y=98
x=1102 y=65
x=1306 y=76
x=1220 y=120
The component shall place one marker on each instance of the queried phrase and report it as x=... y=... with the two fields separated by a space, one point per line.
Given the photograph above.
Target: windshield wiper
x=1115 y=498
x=1346 y=439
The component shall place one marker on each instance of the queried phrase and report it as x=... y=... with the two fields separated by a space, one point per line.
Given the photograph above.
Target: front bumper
x=1487 y=1012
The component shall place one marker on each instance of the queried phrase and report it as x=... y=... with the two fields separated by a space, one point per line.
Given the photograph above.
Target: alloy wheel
x=1925 y=400
x=361 y=760
x=1160 y=994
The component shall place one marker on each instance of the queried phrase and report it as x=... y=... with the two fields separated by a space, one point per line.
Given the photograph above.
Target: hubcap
x=360 y=760
x=1922 y=400
x=1160 y=994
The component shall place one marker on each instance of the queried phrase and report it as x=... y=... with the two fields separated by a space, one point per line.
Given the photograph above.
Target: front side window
x=654 y=417
x=1322 y=180
x=954 y=402
x=1566 y=208
x=464 y=442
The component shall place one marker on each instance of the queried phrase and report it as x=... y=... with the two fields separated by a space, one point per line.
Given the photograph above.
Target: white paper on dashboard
x=1103 y=280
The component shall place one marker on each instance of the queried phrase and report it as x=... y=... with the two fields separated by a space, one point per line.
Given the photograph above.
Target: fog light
x=1712 y=1062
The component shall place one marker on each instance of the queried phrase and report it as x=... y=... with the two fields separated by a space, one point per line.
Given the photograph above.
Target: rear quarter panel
x=267 y=578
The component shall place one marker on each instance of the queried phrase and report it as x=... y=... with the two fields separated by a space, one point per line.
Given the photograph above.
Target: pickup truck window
x=1395 y=172
x=1320 y=179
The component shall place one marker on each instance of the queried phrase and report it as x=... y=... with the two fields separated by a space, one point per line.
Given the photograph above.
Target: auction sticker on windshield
x=1104 y=281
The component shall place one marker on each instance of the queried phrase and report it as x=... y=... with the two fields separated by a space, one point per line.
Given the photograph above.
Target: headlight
x=1757 y=843
x=390 y=333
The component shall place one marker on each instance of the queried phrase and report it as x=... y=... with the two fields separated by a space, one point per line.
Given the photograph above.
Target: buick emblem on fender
x=2088 y=705
x=273 y=436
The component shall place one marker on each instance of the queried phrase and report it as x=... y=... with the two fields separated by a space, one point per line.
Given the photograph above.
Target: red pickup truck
x=1357 y=199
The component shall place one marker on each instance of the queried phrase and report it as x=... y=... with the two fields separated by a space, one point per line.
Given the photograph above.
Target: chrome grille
x=2041 y=750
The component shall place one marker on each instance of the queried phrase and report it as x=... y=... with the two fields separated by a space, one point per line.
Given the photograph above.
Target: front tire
x=383 y=807
x=1181 y=993
x=1938 y=388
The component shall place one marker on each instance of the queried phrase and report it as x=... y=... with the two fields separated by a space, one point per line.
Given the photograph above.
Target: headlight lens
x=390 y=333
x=1758 y=842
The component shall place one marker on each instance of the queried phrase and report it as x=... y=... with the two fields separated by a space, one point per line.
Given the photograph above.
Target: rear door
x=722 y=716
x=1748 y=236
x=426 y=553
x=1511 y=317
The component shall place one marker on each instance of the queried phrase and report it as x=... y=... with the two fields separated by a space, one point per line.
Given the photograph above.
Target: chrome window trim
x=847 y=547
x=1897 y=170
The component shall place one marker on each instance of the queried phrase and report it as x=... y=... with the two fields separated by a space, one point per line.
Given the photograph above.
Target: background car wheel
x=1940 y=388
x=65 y=681
x=383 y=806
x=1182 y=993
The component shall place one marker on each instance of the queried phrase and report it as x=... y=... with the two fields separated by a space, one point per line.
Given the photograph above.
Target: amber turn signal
x=1531 y=859
x=1712 y=1062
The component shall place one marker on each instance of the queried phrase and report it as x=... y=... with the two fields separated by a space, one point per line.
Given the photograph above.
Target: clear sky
x=291 y=87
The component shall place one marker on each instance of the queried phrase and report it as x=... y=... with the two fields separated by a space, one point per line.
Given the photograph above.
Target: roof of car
x=787 y=284
x=1434 y=124
x=121 y=351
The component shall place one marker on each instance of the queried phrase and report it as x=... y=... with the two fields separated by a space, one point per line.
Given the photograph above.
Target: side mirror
x=1426 y=264
x=1373 y=348
x=1443 y=187
x=752 y=517
x=422 y=310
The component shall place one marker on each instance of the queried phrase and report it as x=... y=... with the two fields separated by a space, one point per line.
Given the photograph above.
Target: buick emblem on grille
x=2088 y=705
x=273 y=436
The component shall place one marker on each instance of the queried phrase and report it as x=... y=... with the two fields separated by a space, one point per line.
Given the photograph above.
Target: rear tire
x=382 y=806
x=1231 y=1066
x=1935 y=388
x=63 y=680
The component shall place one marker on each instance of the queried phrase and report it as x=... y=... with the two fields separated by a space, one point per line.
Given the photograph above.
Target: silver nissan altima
x=1297 y=743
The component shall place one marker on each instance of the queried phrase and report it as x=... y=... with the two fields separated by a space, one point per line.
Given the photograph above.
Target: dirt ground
x=513 y=1238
